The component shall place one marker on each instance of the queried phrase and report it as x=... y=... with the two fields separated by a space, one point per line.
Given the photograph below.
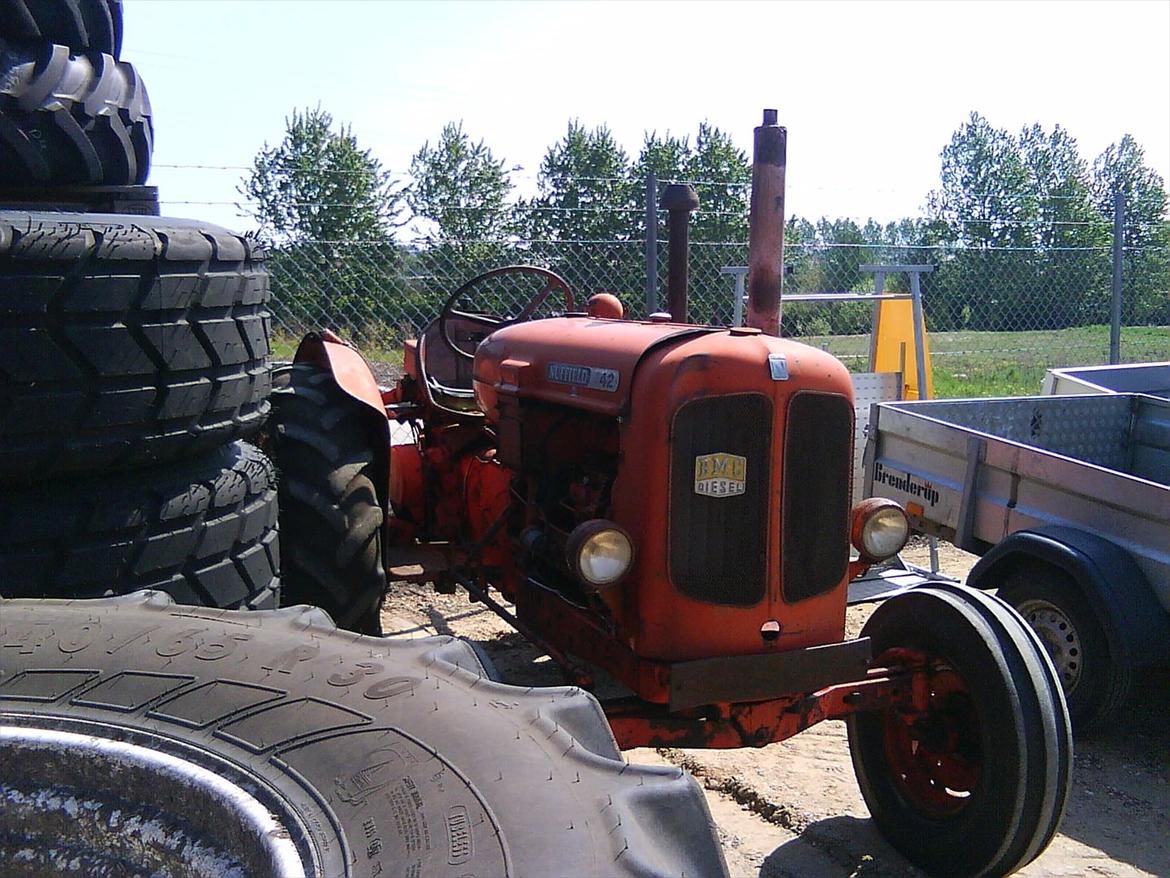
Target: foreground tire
x=82 y=25
x=68 y=119
x=203 y=531
x=976 y=783
x=1096 y=683
x=126 y=341
x=272 y=744
x=329 y=510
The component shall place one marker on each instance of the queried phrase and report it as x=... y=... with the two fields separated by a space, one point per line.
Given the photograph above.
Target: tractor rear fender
x=356 y=379
x=348 y=368
x=1135 y=624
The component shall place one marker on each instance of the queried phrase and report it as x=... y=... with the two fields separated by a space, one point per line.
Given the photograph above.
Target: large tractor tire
x=271 y=744
x=203 y=531
x=71 y=119
x=82 y=25
x=1096 y=681
x=976 y=783
x=330 y=514
x=126 y=341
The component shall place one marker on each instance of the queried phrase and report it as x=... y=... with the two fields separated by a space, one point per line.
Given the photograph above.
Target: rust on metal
x=766 y=235
x=679 y=200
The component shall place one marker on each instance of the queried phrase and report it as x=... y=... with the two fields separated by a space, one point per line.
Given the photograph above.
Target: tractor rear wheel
x=975 y=781
x=331 y=519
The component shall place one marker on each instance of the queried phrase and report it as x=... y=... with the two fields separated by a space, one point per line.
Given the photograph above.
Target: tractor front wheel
x=330 y=515
x=972 y=778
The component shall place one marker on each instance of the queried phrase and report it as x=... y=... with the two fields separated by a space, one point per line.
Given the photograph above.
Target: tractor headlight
x=599 y=552
x=880 y=529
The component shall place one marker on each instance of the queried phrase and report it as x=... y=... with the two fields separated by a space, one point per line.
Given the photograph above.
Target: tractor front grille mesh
x=719 y=540
x=818 y=455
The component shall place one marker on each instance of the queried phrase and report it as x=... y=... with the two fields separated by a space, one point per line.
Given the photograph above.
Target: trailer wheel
x=1095 y=683
x=974 y=783
x=330 y=517
x=138 y=737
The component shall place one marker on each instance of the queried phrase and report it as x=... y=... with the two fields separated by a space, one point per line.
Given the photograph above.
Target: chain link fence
x=996 y=318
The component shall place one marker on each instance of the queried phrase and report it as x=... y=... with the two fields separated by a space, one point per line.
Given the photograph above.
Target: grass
x=284 y=346
x=975 y=364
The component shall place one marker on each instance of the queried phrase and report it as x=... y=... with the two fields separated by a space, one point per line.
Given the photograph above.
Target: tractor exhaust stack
x=679 y=200
x=766 y=234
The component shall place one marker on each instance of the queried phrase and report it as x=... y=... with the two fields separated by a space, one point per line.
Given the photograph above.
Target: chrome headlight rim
x=601 y=539
x=881 y=529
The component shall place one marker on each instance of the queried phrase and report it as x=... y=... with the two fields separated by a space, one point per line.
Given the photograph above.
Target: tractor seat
x=446 y=377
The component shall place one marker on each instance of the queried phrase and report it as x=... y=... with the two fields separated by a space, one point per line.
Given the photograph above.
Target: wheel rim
x=934 y=751
x=81 y=804
x=1061 y=640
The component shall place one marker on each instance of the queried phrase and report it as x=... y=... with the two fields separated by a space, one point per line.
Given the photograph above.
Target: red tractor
x=670 y=503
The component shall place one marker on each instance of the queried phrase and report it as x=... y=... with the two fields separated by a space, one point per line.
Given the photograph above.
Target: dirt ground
x=793 y=808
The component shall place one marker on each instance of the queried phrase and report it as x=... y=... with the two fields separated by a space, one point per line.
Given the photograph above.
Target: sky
x=870 y=92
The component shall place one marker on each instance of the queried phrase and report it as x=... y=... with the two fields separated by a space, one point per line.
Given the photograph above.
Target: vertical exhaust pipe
x=766 y=234
x=679 y=200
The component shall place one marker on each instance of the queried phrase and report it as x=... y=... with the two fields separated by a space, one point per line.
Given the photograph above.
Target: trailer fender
x=1135 y=625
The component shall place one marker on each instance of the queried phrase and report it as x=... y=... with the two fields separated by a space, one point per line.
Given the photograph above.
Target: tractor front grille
x=720 y=478
x=818 y=457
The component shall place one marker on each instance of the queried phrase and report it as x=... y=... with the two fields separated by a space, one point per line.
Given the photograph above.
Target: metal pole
x=1118 y=252
x=919 y=342
x=879 y=285
x=651 y=242
x=766 y=231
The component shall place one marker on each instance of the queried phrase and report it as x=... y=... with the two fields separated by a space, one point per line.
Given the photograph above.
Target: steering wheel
x=552 y=280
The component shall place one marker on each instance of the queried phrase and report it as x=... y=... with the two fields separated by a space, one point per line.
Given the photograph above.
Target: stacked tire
x=133 y=349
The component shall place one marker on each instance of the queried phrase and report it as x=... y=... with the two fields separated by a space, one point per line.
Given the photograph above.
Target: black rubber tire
x=1021 y=741
x=126 y=341
x=82 y=25
x=71 y=119
x=204 y=531
x=1095 y=682
x=377 y=756
x=330 y=513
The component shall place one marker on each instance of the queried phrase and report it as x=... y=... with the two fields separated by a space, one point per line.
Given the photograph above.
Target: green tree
x=1069 y=267
x=582 y=220
x=328 y=209
x=985 y=196
x=1146 y=235
x=460 y=187
x=317 y=184
x=584 y=189
x=986 y=205
x=722 y=177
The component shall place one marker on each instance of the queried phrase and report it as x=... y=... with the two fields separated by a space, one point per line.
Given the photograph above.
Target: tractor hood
x=579 y=361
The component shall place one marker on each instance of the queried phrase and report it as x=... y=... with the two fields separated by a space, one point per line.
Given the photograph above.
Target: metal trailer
x=1067 y=498
x=1150 y=378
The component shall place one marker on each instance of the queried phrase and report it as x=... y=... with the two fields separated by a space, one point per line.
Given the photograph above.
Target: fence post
x=651 y=242
x=1118 y=253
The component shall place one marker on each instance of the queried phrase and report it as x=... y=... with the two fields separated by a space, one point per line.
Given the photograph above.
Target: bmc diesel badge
x=720 y=475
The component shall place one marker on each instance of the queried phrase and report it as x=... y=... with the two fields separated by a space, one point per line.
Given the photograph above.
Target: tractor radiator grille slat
x=719 y=540
x=818 y=454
